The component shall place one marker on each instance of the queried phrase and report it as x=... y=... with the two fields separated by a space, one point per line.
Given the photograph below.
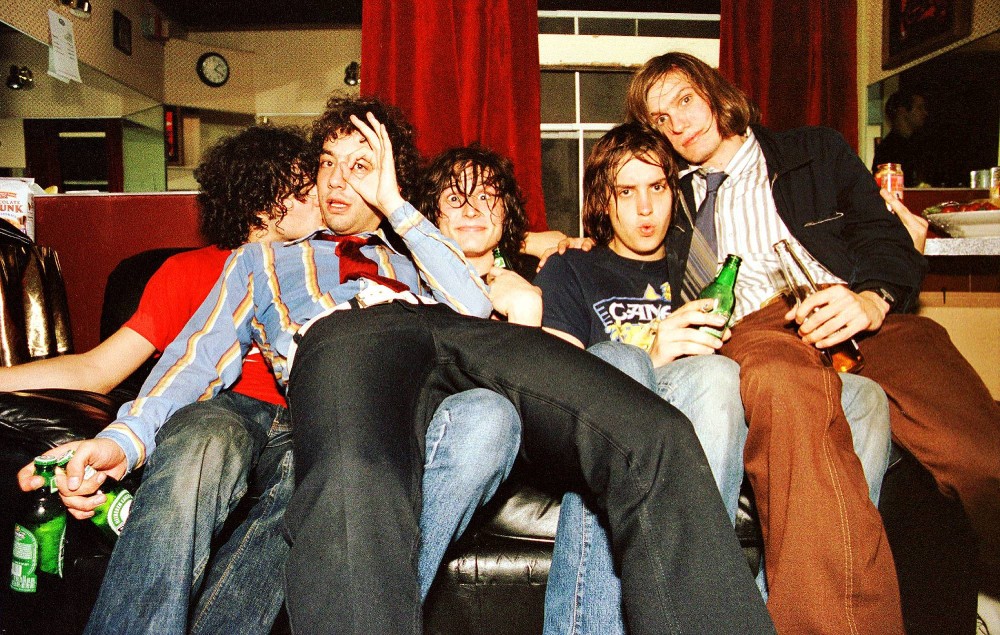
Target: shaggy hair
x=335 y=122
x=248 y=174
x=609 y=155
x=447 y=171
x=733 y=111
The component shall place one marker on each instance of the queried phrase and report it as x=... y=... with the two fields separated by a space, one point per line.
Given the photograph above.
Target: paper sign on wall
x=63 y=64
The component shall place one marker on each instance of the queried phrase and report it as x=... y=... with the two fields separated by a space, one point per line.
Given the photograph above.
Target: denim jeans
x=583 y=595
x=233 y=445
x=360 y=423
x=472 y=442
x=208 y=455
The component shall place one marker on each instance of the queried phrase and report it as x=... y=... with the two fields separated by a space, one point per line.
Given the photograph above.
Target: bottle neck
x=727 y=276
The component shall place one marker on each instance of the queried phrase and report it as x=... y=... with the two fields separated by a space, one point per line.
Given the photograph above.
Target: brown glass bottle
x=844 y=357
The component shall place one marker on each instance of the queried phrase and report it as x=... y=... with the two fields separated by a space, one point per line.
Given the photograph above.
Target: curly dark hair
x=248 y=174
x=490 y=169
x=606 y=159
x=335 y=122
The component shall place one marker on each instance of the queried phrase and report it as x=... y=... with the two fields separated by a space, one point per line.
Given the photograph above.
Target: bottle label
x=24 y=564
x=51 y=537
x=119 y=510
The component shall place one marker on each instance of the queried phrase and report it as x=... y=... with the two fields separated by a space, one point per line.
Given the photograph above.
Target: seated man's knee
x=631 y=360
x=480 y=426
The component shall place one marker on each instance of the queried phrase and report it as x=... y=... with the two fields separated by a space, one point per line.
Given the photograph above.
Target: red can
x=890 y=176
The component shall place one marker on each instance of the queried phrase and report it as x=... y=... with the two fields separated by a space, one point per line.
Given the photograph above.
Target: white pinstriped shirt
x=746 y=202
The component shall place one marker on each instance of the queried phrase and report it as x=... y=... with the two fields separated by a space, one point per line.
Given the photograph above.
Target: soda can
x=890 y=177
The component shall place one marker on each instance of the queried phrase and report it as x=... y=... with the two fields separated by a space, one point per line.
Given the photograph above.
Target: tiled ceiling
x=229 y=15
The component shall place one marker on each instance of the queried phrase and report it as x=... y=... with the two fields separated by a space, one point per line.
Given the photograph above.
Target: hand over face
x=377 y=185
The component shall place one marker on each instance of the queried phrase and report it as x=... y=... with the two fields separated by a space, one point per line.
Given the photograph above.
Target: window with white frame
x=587 y=61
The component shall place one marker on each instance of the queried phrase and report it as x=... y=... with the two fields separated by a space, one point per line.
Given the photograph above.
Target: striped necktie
x=703 y=258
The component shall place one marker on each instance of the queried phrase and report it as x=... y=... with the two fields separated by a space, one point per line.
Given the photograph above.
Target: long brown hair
x=733 y=111
x=609 y=155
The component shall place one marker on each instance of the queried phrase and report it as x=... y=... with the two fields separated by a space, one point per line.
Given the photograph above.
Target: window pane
x=607 y=26
x=602 y=96
x=589 y=141
x=561 y=26
x=558 y=97
x=561 y=182
x=680 y=28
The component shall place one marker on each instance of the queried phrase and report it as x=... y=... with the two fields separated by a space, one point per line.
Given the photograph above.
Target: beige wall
x=143 y=70
x=292 y=72
x=972 y=321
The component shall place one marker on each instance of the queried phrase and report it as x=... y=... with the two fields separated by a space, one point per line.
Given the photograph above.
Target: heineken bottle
x=40 y=534
x=499 y=260
x=111 y=515
x=721 y=290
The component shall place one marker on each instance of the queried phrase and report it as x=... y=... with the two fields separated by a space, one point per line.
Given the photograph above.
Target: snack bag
x=17 y=203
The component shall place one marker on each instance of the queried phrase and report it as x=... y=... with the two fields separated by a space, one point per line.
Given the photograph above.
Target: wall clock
x=213 y=69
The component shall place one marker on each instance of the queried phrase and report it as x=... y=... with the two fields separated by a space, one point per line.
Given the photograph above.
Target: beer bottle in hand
x=844 y=357
x=499 y=260
x=721 y=290
x=110 y=516
x=40 y=535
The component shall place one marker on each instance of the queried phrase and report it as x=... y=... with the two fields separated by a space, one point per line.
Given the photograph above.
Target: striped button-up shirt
x=266 y=293
x=747 y=224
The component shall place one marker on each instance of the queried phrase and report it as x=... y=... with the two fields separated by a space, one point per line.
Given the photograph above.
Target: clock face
x=213 y=69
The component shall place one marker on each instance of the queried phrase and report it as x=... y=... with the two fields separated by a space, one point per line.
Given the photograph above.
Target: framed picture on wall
x=122 y=27
x=912 y=28
x=173 y=145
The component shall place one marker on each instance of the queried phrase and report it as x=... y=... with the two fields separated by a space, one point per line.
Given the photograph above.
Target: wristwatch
x=883 y=293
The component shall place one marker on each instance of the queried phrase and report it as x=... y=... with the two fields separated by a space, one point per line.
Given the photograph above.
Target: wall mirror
x=962 y=130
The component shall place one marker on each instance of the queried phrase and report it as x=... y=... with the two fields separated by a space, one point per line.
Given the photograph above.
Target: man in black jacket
x=829 y=567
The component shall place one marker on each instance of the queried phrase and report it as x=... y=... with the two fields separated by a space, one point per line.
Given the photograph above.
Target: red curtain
x=797 y=59
x=462 y=71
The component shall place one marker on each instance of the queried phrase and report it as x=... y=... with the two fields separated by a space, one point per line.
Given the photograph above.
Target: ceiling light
x=20 y=77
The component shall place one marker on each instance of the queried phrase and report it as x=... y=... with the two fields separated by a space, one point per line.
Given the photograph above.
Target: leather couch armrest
x=37 y=420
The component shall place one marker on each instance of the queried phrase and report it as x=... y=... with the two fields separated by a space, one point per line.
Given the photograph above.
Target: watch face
x=213 y=69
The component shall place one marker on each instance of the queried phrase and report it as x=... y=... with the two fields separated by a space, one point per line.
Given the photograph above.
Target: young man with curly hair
x=168 y=575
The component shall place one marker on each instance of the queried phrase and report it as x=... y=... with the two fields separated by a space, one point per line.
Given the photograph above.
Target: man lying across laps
x=367 y=381
x=233 y=443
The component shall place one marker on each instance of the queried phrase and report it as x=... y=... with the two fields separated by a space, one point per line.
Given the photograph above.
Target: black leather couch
x=493 y=579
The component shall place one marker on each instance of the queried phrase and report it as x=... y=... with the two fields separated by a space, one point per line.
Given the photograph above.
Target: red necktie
x=354 y=264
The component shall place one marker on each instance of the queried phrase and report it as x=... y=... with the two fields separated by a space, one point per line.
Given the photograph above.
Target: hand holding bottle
x=681 y=335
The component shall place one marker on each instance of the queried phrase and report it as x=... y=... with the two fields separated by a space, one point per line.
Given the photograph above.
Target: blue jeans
x=472 y=442
x=210 y=455
x=583 y=594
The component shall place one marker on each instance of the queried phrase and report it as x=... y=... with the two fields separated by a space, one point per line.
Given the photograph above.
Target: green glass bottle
x=111 y=515
x=721 y=289
x=40 y=534
x=499 y=260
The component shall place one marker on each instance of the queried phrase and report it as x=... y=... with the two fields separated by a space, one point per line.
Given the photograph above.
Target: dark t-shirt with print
x=598 y=295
